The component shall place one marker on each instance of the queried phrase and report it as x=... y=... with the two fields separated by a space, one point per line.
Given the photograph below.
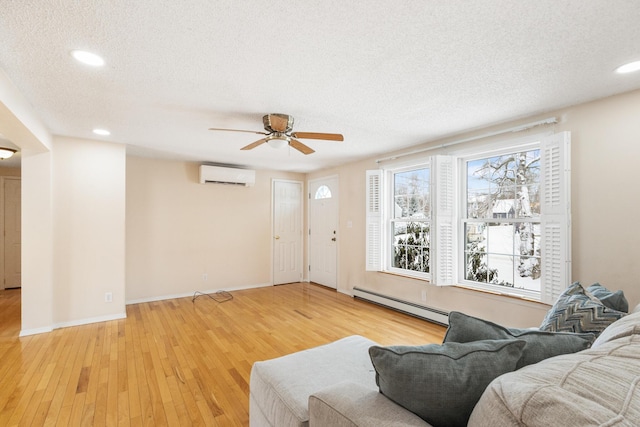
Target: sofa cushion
x=615 y=300
x=596 y=387
x=350 y=404
x=628 y=325
x=540 y=345
x=442 y=383
x=576 y=310
x=280 y=388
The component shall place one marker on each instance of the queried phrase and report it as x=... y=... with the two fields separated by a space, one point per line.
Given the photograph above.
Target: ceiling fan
x=278 y=134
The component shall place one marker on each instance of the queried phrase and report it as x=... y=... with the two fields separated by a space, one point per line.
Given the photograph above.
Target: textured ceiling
x=386 y=74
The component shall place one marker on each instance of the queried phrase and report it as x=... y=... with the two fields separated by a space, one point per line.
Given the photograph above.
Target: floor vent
x=431 y=314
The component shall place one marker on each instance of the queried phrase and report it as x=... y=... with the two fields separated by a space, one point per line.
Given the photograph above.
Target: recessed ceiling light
x=102 y=132
x=87 y=58
x=628 y=68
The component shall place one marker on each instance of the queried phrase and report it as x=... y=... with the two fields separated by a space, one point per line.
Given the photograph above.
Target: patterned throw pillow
x=615 y=300
x=578 y=311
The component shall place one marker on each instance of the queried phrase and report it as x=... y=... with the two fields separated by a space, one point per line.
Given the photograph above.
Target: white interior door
x=323 y=231
x=287 y=232
x=12 y=232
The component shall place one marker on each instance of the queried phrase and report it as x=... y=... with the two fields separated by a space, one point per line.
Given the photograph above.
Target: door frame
x=273 y=226
x=338 y=234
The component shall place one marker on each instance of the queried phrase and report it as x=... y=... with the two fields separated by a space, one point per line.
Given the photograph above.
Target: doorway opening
x=10 y=252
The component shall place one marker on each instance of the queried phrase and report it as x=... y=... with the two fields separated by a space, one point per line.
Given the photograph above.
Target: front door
x=323 y=231
x=287 y=232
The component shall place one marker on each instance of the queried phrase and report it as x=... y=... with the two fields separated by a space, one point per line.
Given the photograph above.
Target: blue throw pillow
x=442 y=383
x=540 y=344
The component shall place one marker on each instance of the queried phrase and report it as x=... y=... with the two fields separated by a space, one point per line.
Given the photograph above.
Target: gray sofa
x=335 y=385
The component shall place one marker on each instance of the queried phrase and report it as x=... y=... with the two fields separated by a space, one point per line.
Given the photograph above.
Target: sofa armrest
x=348 y=404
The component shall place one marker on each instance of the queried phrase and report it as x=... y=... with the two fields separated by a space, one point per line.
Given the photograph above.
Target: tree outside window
x=410 y=220
x=502 y=224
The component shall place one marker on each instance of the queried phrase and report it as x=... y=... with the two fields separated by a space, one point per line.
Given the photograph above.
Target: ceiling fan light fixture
x=5 y=153
x=279 y=133
x=278 y=141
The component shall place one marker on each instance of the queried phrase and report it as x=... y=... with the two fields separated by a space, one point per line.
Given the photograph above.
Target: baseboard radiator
x=428 y=313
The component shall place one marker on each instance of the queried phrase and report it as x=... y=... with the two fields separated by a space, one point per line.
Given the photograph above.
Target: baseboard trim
x=190 y=294
x=35 y=331
x=424 y=312
x=79 y=322
x=89 y=320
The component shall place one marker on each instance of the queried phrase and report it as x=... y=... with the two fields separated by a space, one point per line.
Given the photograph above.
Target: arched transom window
x=323 y=192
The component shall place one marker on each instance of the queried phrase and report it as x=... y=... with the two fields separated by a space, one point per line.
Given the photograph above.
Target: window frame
x=462 y=157
x=389 y=220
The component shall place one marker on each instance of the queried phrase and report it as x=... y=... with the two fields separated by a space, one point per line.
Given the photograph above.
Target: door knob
x=276 y=237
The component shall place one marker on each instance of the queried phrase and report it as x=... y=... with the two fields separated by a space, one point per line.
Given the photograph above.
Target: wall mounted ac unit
x=223 y=175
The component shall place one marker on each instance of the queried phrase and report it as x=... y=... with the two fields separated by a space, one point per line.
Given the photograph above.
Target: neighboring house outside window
x=495 y=217
x=501 y=219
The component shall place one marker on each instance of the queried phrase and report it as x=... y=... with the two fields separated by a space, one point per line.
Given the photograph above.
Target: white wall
x=88 y=230
x=37 y=243
x=605 y=204
x=73 y=224
x=179 y=230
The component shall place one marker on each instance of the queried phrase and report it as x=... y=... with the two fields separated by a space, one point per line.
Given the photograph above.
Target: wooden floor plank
x=177 y=362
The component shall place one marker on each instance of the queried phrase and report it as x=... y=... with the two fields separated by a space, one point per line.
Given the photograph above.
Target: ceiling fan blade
x=301 y=147
x=240 y=130
x=316 y=135
x=254 y=144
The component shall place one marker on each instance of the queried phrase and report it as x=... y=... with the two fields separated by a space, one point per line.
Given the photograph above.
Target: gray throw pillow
x=576 y=310
x=442 y=383
x=540 y=345
x=615 y=300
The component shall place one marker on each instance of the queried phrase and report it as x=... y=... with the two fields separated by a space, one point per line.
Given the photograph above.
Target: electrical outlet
x=205 y=276
x=424 y=295
x=108 y=297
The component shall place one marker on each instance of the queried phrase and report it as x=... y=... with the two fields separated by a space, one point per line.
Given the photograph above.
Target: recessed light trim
x=101 y=132
x=87 y=58
x=628 y=68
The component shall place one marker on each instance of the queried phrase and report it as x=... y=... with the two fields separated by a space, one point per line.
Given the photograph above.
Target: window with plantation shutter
x=494 y=217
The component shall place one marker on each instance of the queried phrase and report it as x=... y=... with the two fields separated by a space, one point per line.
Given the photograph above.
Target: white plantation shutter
x=443 y=229
x=374 y=221
x=555 y=207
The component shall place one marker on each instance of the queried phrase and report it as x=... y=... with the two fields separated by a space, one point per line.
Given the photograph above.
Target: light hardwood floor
x=177 y=362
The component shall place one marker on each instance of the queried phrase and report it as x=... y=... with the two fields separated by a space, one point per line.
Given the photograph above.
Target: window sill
x=407 y=276
x=501 y=294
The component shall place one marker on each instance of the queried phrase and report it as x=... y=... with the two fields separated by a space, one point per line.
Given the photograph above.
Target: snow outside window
x=409 y=221
x=502 y=220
